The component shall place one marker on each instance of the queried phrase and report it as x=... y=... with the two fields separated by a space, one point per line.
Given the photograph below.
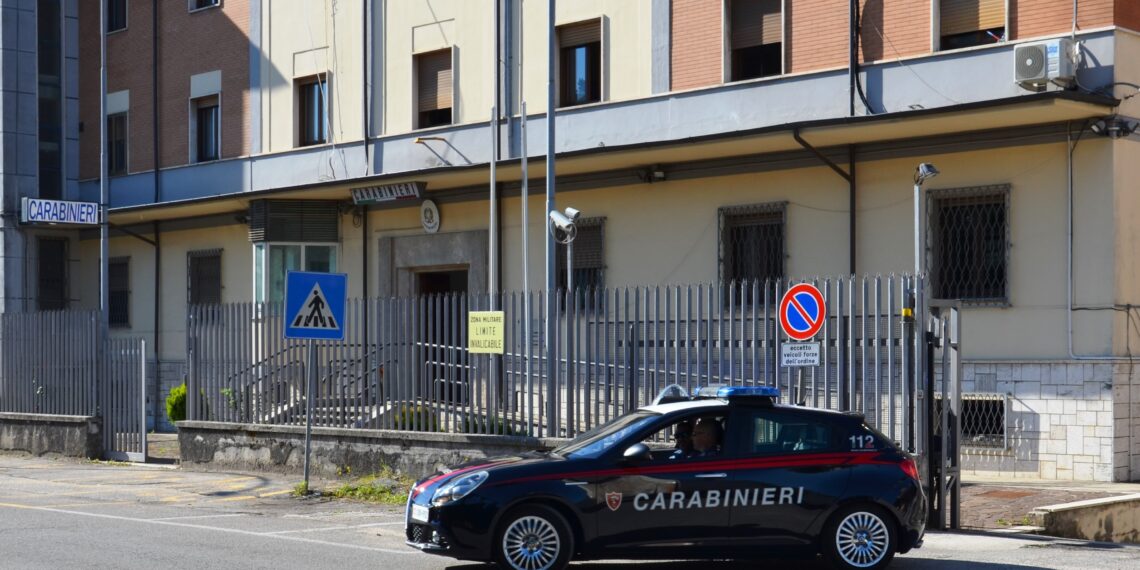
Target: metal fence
x=47 y=362
x=124 y=400
x=404 y=363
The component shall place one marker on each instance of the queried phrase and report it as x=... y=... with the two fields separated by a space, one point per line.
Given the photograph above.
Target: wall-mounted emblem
x=429 y=216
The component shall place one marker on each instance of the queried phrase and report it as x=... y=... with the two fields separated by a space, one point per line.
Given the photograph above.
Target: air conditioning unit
x=1039 y=64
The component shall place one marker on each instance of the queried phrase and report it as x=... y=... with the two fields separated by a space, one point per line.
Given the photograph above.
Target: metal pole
x=309 y=407
x=917 y=230
x=493 y=249
x=142 y=399
x=570 y=268
x=104 y=200
x=551 y=365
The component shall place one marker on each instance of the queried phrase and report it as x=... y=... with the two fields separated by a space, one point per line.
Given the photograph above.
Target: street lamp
x=922 y=173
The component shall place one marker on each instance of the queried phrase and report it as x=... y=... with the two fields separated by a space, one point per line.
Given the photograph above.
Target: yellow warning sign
x=485 y=332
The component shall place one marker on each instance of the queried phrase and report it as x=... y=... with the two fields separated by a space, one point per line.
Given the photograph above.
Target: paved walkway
x=996 y=504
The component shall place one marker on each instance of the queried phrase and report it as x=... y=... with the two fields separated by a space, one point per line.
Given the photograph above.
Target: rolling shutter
x=755 y=23
x=963 y=16
x=579 y=34
x=293 y=220
x=434 y=72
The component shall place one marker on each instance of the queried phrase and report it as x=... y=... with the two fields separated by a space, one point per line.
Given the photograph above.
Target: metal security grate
x=752 y=243
x=970 y=244
x=983 y=419
x=589 y=259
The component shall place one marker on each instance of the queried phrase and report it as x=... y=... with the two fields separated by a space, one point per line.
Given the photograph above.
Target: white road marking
x=198 y=517
x=204 y=527
x=336 y=528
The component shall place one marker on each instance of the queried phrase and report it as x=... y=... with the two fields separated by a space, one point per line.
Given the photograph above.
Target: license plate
x=419 y=513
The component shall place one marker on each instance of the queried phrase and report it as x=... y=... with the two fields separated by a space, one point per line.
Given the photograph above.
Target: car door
x=791 y=469
x=646 y=506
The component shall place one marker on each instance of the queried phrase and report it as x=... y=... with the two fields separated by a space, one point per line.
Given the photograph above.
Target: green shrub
x=420 y=418
x=493 y=425
x=176 y=404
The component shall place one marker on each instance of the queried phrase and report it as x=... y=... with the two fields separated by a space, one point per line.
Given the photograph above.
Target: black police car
x=760 y=480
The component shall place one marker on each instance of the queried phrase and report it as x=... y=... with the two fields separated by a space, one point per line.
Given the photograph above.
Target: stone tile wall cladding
x=170 y=374
x=1066 y=421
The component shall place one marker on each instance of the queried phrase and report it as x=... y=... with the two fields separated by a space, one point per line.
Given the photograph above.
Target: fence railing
x=47 y=362
x=404 y=363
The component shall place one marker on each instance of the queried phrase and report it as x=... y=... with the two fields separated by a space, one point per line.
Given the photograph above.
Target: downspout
x=157 y=198
x=366 y=87
x=853 y=55
x=1069 y=256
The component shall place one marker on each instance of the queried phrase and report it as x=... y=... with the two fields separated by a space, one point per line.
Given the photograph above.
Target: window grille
x=204 y=273
x=983 y=419
x=119 y=292
x=589 y=259
x=969 y=244
x=752 y=244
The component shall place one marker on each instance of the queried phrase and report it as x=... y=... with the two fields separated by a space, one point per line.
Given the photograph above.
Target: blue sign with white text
x=314 y=305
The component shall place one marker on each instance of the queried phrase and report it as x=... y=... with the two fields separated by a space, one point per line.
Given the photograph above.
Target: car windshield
x=596 y=441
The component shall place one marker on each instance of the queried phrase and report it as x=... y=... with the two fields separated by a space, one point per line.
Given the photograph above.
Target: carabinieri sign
x=35 y=210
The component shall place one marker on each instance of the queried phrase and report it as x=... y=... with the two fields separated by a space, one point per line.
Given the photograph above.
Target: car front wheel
x=534 y=538
x=862 y=537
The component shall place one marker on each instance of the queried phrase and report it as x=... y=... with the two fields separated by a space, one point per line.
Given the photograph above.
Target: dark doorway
x=436 y=282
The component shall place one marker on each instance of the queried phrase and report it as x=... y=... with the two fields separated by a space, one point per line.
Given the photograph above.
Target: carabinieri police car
x=727 y=474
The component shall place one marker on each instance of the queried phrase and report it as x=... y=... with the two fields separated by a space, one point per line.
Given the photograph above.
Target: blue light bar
x=739 y=392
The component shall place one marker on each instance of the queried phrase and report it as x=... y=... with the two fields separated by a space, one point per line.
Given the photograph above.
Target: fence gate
x=124 y=400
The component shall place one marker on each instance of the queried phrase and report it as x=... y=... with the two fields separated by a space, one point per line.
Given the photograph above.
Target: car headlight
x=457 y=489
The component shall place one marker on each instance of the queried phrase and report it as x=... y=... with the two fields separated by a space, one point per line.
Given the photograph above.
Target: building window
x=204 y=273
x=756 y=30
x=312 y=110
x=589 y=260
x=194 y=5
x=50 y=56
x=116 y=15
x=752 y=244
x=434 y=88
x=580 y=63
x=117 y=144
x=967 y=23
x=272 y=261
x=53 y=291
x=206 y=129
x=969 y=243
x=119 y=292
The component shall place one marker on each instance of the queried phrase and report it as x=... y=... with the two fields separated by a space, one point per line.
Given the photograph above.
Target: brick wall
x=189 y=43
x=1032 y=18
x=893 y=28
x=696 y=49
x=1127 y=14
x=817 y=34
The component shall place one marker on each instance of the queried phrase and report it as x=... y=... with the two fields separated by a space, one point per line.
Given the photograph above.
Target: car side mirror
x=637 y=452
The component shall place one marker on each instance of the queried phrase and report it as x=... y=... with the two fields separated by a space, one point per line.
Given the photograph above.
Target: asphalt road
x=66 y=514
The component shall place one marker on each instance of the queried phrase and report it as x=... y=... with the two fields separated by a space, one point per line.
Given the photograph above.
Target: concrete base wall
x=229 y=446
x=41 y=434
x=1114 y=519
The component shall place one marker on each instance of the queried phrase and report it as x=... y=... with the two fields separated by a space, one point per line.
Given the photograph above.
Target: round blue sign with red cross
x=802 y=311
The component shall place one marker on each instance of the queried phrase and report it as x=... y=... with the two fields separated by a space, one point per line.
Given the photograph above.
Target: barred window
x=589 y=257
x=969 y=231
x=983 y=419
x=119 y=287
x=204 y=273
x=752 y=242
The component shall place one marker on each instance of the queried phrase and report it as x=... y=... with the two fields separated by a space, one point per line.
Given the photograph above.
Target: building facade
x=702 y=140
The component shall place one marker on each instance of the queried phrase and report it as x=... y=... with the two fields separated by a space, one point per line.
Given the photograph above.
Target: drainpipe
x=157 y=197
x=853 y=56
x=1069 y=259
x=366 y=87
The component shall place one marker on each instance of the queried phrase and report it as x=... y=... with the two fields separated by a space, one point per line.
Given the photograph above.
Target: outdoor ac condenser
x=1039 y=64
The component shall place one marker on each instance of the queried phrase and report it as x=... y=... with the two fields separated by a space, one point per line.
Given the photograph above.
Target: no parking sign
x=802 y=313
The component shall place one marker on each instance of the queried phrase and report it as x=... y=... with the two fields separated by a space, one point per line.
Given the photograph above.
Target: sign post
x=314 y=308
x=802 y=313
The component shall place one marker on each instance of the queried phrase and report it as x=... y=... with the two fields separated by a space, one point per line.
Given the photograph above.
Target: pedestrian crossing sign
x=314 y=305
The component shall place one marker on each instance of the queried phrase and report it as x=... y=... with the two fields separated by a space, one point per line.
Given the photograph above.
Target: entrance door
x=443 y=299
x=441 y=282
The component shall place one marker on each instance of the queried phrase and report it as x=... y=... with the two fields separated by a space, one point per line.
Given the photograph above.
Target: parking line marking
x=275 y=493
x=199 y=517
x=213 y=528
x=324 y=528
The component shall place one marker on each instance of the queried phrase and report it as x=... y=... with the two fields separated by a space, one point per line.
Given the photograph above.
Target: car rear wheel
x=534 y=538
x=861 y=536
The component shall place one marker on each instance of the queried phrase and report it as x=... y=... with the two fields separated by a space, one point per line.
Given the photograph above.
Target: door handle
x=712 y=475
x=576 y=483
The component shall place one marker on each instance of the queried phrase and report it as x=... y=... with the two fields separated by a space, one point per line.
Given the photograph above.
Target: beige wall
x=627 y=60
x=299 y=39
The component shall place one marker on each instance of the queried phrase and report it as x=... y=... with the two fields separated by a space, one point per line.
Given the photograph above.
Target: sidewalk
x=998 y=504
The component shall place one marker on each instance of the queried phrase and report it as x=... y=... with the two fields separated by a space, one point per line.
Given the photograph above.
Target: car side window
x=779 y=434
x=689 y=438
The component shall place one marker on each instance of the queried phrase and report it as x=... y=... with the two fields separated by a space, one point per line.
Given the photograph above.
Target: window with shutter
x=967 y=23
x=434 y=88
x=756 y=29
x=580 y=63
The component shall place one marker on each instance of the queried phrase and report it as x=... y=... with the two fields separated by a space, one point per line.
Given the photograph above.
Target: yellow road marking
x=275 y=493
x=232 y=499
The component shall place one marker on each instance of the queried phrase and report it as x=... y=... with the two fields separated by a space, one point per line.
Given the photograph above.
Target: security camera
x=562 y=227
x=924 y=171
x=572 y=213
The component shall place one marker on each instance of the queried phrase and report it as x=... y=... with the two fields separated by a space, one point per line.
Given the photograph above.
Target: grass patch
x=387 y=488
x=301 y=489
x=109 y=462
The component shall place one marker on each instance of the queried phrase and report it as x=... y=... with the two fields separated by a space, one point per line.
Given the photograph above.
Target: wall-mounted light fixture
x=1113 y=127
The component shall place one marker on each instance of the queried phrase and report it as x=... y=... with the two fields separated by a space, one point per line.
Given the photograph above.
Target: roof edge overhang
x=1027 y=110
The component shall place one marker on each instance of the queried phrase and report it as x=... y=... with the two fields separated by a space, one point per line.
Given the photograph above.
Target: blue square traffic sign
x=314 y=305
